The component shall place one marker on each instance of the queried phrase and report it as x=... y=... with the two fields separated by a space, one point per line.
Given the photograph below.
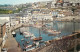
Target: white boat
x=28 y=34
x=37 y=43
x=30 y=49
x=33 y=37
x=29 y=46
x=13 y=33
x=53 y=31
x=22 y=39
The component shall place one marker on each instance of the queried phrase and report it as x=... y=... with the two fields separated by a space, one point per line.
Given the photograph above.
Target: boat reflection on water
x=52 y=32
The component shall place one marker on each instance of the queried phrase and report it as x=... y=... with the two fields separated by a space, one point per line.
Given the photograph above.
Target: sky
x=13 y=2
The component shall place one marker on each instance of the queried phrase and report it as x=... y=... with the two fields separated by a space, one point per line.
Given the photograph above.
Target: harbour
x=59 y=26
x=40 y=26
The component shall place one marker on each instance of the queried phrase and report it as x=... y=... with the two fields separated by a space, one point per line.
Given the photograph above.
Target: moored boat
x=53 y=31
x=14 y=34
x=22 y=39
x=21 y=33
x=27 y=34
x=29 y=46
x=37 y=39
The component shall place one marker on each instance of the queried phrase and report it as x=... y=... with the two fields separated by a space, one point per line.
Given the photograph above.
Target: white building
x=24 y=19
x=53 y=3
x=40 y=16
x=4 y=18
x=72 y=1
x=13 y=20
x=61 y=15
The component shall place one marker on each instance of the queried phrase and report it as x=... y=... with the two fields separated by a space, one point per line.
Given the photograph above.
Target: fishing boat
x=37 y=39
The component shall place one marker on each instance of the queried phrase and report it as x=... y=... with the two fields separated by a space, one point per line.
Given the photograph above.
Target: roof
x=3 y=21
x=4 y=15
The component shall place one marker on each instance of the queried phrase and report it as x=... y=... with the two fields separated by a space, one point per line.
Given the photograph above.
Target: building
x=66 y=3
x=19 y=18
x=4 y=18
x=14 y=19
x=49 y=5
x=72 y=1
x=0 y=44
x=53 y=3
x=24 y=19
x=3 y=34
x=39 y=4
x=55 y=13
x=42 y=14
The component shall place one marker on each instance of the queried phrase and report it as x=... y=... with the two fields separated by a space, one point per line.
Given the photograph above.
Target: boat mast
x=39 y=33
x=75 y=37
x=42 y=23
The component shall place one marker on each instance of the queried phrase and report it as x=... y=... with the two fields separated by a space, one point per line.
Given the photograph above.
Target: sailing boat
x=53 y=32
x=38 y=38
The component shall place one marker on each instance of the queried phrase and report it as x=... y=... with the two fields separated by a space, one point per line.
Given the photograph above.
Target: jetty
x=11 y=43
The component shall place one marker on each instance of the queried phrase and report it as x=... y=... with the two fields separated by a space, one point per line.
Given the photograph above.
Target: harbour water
x=66 y=28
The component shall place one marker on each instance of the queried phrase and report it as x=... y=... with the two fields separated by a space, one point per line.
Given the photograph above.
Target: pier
x=11 y=44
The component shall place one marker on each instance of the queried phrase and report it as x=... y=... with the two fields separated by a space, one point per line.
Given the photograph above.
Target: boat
x=31 y=49
x=27 y=34
x=33 y=37
x=29 y=46
x=22 y=39
x=28 y=42
x=21 y=33
x=14 y=34
x=41 y=41
x=53 y=31
x=37 y=39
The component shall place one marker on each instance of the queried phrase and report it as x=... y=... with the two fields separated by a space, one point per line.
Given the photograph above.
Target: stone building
x=0 y=44
x=3 y=34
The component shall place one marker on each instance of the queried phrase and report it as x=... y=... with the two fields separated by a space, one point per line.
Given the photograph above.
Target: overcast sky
x=18 y=1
